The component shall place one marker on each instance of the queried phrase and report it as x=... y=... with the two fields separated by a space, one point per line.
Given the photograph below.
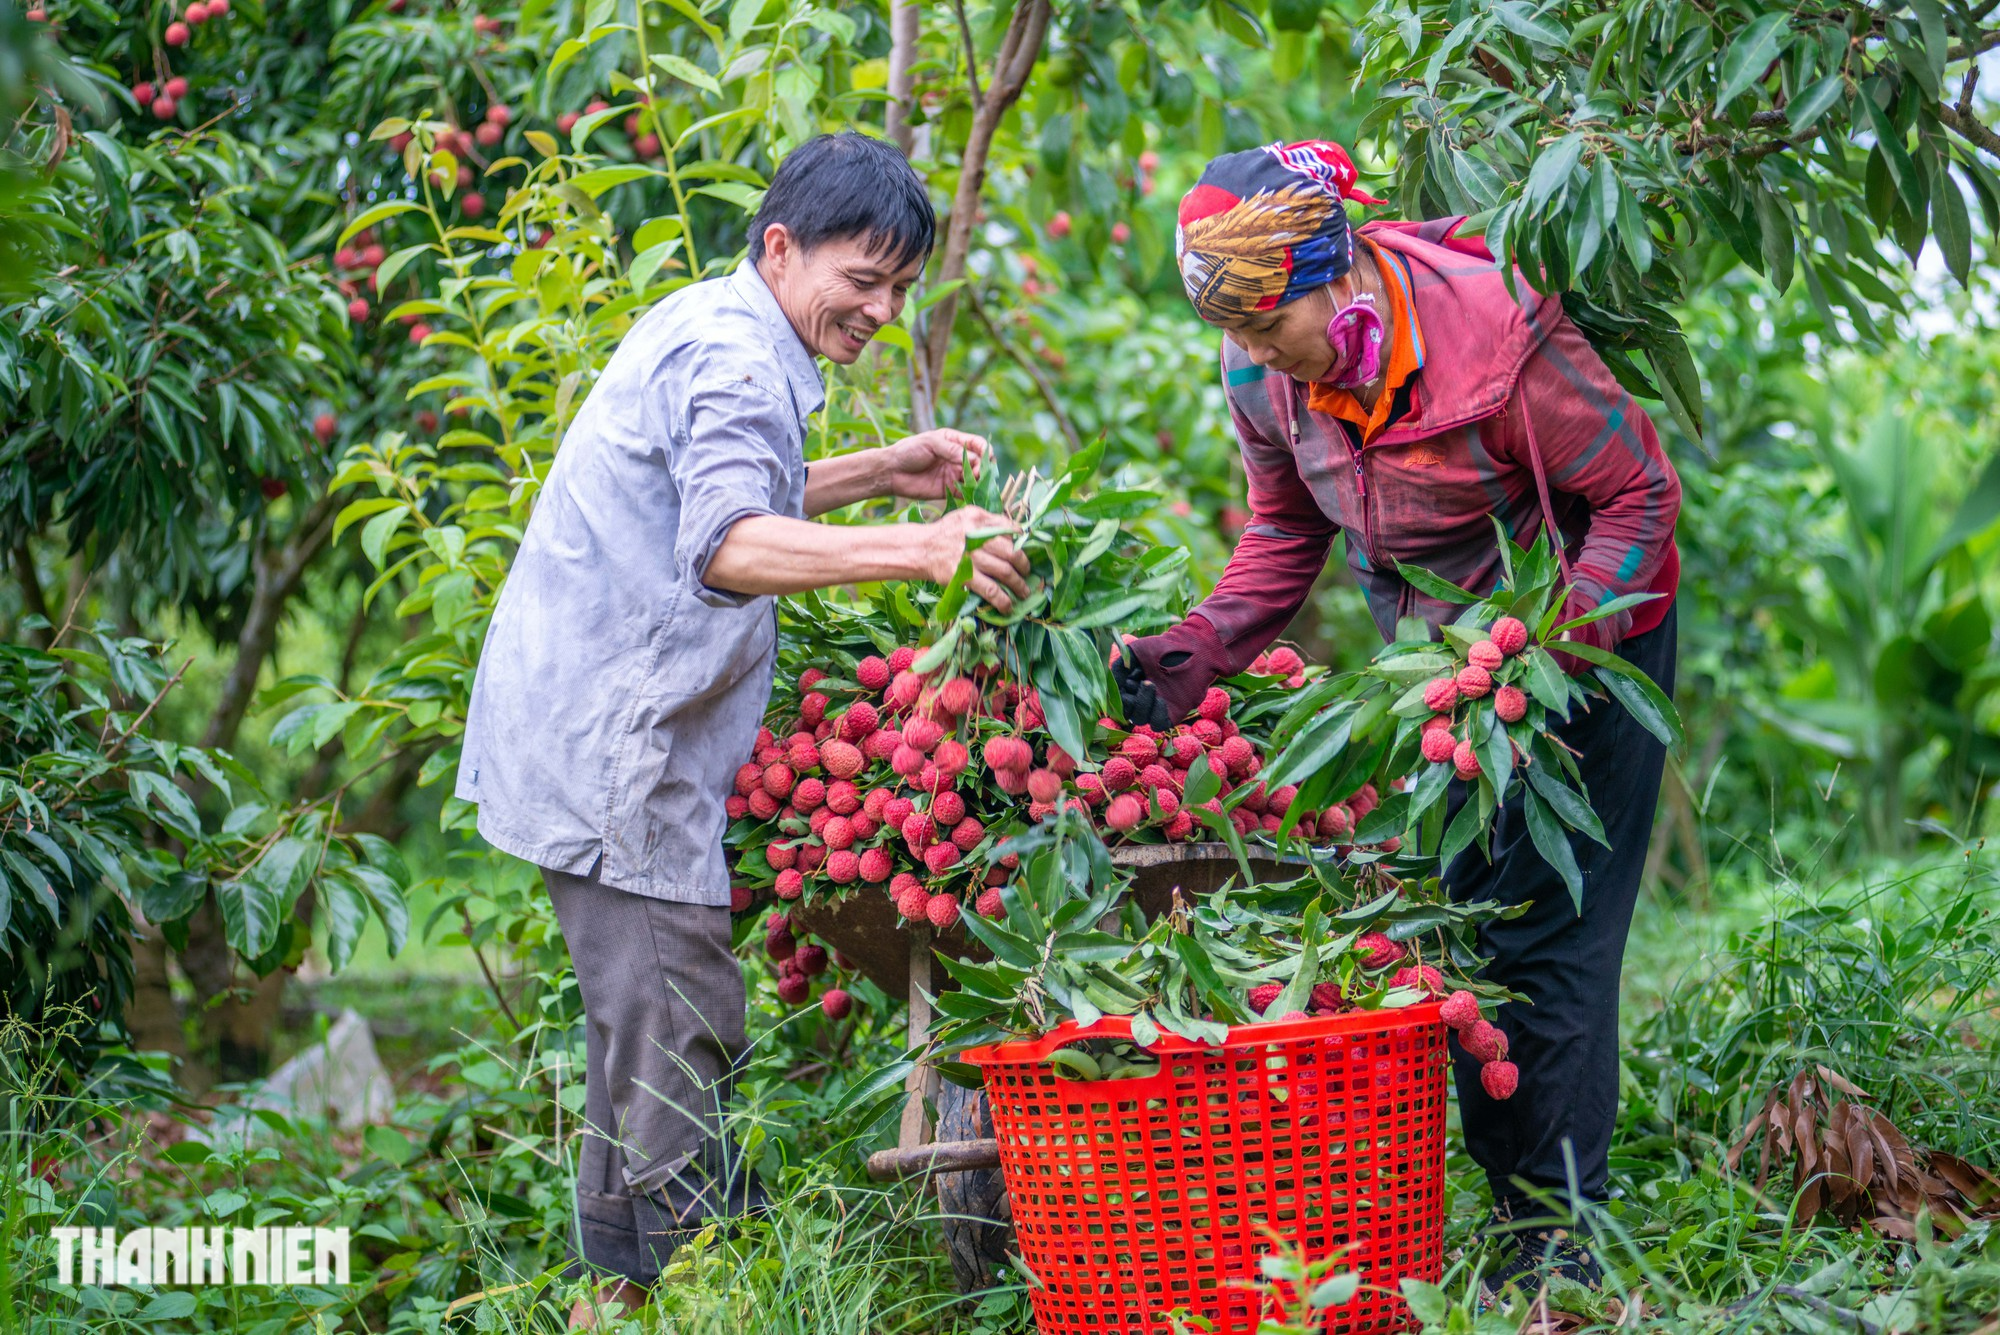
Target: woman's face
x=1291 y=339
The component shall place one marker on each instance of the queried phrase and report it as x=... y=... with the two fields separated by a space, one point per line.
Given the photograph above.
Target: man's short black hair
x=849 y=184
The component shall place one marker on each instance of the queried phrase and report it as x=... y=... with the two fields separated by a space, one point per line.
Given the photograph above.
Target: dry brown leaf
x=1841 y=1083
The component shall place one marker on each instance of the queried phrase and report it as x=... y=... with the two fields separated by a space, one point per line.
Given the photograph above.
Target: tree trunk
x=905 y=22
x=1012 y=64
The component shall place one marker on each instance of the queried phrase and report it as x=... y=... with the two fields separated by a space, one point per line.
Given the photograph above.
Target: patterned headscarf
x=1265 y=226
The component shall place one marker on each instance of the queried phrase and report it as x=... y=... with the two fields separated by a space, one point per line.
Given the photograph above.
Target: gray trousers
x=663 y=1004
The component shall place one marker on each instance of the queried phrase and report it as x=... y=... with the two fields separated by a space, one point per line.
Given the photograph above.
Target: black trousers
x=1565 y=1040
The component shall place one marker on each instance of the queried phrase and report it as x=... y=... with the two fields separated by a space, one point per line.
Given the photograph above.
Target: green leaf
x=688 y=72
x=1553 y=845
x=1434 y=585
x=1520 y=19
x=1804 y=111
x=249 y=915
x=1566 y=802
x=1749 y=54
x=1952 y=222
x=370 y=217
x=600 y=179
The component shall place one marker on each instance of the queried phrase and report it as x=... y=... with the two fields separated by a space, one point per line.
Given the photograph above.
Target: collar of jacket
x=801 y=367
x=1457 y=288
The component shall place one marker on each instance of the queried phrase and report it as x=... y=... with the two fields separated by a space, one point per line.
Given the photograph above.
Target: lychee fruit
x=1059 y=225
x=875 y=865
x=1510 y=703
x=1460 y=1010
x=842 y=760
x=837 y=832
x=780 y=855
x=794 y=988
x=1140 y=750
x=913 y=901
x=960 y=695
x=1326 y=997
x=842 y=865
x=881 y=744
x=1485 y=654
x=1044 y=785
x=873 y=673
x=1440 y=695
x=1437 y=744
x=1484 y=1042
x=1422 y=977
x=1125 y=813
x=808 y=793
x=907 y=761
x=810 y=960
x=951 y=759
x=1262 y=995
x=988 y=903
x=1509 y=635
x=835 y=1003
x=1236 y=753
x=941 y=858
x=967 y=833
x=942 y=910
x=901 y=658
x=1465 y=761
x=762 y=805
x=1474 y=681
x=1119 y=774
x=1214 y=705
x=177 y=34
x=1499 y=1079
x=324 y=427
x=1378 y=951
x=740 y=897
x=778 y=780
x=1336 y=822
x=947 y=807
x=357 y=309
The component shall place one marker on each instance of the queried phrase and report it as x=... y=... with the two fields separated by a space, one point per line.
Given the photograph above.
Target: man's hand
x=932 y=465
x=997 y=568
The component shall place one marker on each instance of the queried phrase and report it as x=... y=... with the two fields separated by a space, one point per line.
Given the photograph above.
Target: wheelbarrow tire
x=978 y=1218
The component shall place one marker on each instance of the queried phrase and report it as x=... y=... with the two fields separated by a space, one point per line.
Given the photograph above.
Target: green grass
x=1889 y=977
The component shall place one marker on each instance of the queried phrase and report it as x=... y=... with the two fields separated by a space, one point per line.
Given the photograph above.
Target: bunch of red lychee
x=1378 y=953
x=799 y=962
x=1484 y=1041
x=1446 y=738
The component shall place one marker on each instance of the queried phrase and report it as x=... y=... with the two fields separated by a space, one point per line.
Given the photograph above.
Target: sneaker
x=1542 y=1257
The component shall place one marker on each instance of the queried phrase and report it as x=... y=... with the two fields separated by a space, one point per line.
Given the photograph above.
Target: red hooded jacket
x=1502 y=381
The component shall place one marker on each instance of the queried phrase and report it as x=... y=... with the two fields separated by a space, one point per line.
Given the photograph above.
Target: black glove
x=1142 y=703
x=1162 y=678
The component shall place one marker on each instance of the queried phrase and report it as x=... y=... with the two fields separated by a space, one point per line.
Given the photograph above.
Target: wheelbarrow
x=959 y=1155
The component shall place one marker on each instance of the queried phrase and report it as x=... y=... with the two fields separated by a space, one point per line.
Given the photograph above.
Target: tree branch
x=277 y=575
x=1973 y=46
x=1974 y=132
x=31 y=592
x=971 y=52
x=905 y=23
x=1027 y=364
x=1019 y=49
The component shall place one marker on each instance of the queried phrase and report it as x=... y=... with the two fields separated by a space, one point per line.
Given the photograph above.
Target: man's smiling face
x=838 y=293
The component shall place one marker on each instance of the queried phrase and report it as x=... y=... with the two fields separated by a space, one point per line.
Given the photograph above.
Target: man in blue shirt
x=630 y=659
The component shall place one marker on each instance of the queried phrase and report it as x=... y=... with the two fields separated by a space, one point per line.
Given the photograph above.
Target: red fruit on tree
x=1121 y=232
x=762 y=805
x=324 y=427
x=164 y=107
x=835 y=1003
x=860 y=719
x=1124 y=813
x=1140 y=750
x=1336 y=822
x=740 y=897
x=1485 y=654
x=1181 y=826
x=947 y=807
x=967 y=833
x=951 y=759
x=142 y=93
x=842 y=865
x=1059 y=226
x=1378 y=951
x=913 y=901
x=1044 y=786
x=941 y=858
x=567 y=121
x=1236 y=753
x=876 y=864
x=1214 y=705
x=1500 y=1079
x=838 y=832
x=988 y=904
x=778 y=780
x=1440 y=695
x=357 y=309
x=196 y=13
x=1473 y=681
x=810 y=960
x=942 y=910
x=1510 y=703
x=1422 y=977
x=499 y=114
x=1460 y=1010
x=647 y=146
x=472 y=205
x=1149 y=161
x=872 y=672
x=1465 y=761
x=488 y=134
x=842 y=760
x=782 y=856
x=419 y=332
x=177 y=88
x=1262 y=995
x=1509 y=635
x=1437 y=744
x=37 y=15
x=794 y=988
x=791 y=883
x=1484 y=1042
x=177 y=34
x=960 y=695
x=1119 y=774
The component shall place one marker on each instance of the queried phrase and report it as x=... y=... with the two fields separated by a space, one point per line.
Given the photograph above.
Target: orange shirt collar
x=1405 y=357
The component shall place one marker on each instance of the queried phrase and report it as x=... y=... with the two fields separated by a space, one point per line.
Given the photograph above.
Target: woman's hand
x=998 y=569
x=932 y=465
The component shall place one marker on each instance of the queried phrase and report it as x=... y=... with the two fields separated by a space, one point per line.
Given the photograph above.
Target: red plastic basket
x=1135 y=1197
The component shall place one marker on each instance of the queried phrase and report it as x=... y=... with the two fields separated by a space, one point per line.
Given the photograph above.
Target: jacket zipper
x=1360 y=473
